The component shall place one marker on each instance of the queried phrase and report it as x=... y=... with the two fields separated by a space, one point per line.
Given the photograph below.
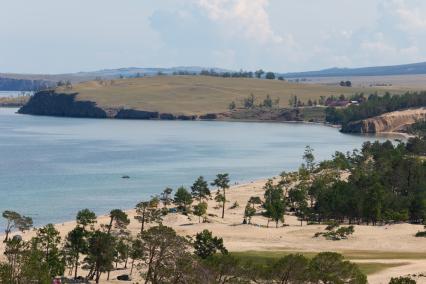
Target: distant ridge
x=13 y=81
x=405 y=69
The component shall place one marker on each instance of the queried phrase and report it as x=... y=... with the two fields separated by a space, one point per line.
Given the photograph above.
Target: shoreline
x=335 y=126
x=372 y=244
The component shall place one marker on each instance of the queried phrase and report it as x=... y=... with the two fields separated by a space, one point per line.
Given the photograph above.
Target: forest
x=374 y=105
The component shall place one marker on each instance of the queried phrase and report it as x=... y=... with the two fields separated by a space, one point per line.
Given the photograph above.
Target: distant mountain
x=17 y=82
x=32 y=82
x=406 y=69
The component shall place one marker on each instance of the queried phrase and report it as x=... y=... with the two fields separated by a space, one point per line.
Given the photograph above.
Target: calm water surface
x=52 y=167
x=6 y=94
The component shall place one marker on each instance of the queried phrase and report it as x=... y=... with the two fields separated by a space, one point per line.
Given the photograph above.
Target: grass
x=198 y=94
x=374 y=267
x=263 y=257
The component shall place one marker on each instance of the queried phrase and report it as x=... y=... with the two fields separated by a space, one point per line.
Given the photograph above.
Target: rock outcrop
x=395 y=121
x=56 y=104
x=136 y=114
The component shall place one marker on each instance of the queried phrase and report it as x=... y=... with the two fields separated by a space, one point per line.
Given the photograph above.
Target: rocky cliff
x=56 y=104
x=51 y=103
x=396 y=121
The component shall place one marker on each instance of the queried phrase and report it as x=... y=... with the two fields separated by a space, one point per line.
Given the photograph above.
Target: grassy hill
x=196 y=94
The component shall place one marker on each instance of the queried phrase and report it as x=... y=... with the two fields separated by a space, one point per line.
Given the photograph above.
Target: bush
x=421 y=234
x=335 y=232
x=402 y=280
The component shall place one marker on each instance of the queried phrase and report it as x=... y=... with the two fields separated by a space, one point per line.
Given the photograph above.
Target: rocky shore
x=52 y=103
x=396 y=121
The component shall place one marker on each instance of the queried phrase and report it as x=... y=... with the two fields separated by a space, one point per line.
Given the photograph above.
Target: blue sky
x=56 y=36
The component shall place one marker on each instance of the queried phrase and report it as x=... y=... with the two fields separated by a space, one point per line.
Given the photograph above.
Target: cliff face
x=54 y=104
x=389 y=122
x=51 y=103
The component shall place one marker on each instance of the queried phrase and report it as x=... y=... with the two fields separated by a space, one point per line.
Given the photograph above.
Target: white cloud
x=244 y=17
x=410 y=19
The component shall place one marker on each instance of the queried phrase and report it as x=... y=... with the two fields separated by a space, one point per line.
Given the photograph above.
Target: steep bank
x=57 y=104
x=396 y=121
x=53 y=103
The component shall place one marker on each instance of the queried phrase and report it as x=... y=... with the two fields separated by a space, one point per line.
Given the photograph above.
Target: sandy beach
x=379 y=244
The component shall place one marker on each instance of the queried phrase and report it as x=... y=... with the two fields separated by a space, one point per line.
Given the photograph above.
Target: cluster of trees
x=159 y=255
x=242 y=74
x=67 y=84
x=345 y=83
x=250 y=102
x=375 y=105
x=387 y=183
x=418 y=128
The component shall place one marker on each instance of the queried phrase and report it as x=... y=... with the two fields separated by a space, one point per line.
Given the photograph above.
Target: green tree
x=292 y=268
x=255 y=200
x=249 y=212
x=100 y=255
x=259 y=73
x=267 y=102
x=119 y=219
x=206 y=244
x=147 y=212
x=183 y=199
x=86 y=218
x=200 y=189
x=48 y=240
x=309 y=158
x=274 y=202
x=270 y=76
x=136 y=252
x=14 y=220
x=165 y=196
x=200 y=210
x=249 y=102
x=222 y=182
x=76 y=244
x=163 y=253
x=331 y=268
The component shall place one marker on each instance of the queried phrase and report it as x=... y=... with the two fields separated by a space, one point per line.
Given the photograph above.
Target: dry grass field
x=390 y=82
x=198 y=94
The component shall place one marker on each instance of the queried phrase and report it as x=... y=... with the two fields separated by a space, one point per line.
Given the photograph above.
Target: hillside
x=195 y=95
x=405 y=69
x=396 y=121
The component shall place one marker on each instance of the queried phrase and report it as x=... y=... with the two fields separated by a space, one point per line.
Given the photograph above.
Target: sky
x=58 y=36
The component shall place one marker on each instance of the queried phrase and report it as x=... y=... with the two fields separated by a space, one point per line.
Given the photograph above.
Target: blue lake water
x=6 y=94
x=52 y=167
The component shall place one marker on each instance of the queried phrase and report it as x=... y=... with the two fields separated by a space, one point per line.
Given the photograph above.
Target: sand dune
x=367 y=240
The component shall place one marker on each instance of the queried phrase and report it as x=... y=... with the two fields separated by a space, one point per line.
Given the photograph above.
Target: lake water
x=52 y=167
x=6 y=94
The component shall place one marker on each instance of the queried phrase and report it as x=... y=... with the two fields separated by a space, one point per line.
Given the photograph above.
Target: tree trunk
x=110 y=226
x=108 y=274
x=76 y=266
x=143 y=222
x=131 y=269
x=98 y=275
x=223 y=206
